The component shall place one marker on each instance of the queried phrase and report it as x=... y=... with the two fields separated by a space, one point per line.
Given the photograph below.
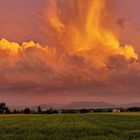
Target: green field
x=71 y=127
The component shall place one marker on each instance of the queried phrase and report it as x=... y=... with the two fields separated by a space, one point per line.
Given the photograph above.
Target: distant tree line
x=38 y=111
x=133 y=109
x=5 y=110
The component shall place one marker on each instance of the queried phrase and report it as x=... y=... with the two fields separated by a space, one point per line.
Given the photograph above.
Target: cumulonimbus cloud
x=85 y=56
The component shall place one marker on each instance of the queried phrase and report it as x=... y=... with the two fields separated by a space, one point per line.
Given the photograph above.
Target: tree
x=50 y=111
x=27 y=111
x=39 y=110
x=4 y=109
x=7 y=111
x=84 y=111
x=15 y=111
x=134 y=109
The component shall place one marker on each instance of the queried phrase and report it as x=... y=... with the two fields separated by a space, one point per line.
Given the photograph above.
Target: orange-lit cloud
x=85 y=56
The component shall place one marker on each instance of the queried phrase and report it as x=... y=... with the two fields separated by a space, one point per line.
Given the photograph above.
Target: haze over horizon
x=56 y=51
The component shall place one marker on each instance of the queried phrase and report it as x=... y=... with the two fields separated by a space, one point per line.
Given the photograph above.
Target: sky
x=65 y=51
x=22 y=19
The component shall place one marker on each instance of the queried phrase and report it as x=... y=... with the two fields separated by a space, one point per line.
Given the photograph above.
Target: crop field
x=113 y=126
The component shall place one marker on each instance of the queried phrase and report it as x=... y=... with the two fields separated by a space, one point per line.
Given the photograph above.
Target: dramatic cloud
x=83 y=55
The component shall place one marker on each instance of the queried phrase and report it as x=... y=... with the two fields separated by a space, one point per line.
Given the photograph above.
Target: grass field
x=121 y=126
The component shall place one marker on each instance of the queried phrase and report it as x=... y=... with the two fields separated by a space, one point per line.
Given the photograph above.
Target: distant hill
x=80 y=105
x=77 y=105
x=43 y=107
x=73 y=105
x=48 y=106
x=89 y=105
x=136 y=104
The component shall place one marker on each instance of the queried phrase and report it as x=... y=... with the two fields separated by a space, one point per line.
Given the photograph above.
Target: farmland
x=113 y=126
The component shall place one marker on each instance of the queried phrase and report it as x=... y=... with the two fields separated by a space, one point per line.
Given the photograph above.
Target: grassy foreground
x=71 y=127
